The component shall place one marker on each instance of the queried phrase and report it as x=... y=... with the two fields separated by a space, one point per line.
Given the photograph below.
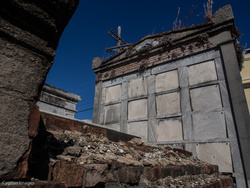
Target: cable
x=85 y=88
x=85 y=110
x=88 y=83
x=85 y=104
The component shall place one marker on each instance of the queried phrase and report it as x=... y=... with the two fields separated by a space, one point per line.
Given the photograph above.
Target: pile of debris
x=92 y=160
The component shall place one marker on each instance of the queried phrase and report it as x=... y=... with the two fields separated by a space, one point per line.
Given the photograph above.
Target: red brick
x=152 y=173
x=69 y=172
x=130 y=174
x=222 y=183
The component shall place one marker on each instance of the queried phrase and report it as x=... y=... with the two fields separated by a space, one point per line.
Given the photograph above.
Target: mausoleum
x=181 y=88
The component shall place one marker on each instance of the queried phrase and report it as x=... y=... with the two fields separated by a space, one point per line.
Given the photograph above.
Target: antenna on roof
x=121 y=44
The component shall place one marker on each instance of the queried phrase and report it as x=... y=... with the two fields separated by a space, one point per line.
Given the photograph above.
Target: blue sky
x=86 y=36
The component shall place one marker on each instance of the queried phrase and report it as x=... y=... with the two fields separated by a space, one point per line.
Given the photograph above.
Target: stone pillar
x=29 y=35
x=238 y=102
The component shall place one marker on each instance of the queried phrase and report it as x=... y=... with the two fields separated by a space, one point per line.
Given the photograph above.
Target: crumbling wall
x=84 y=154
x=29 y=35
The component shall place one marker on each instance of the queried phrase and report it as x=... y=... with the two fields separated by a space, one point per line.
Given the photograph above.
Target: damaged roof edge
x=221 y=16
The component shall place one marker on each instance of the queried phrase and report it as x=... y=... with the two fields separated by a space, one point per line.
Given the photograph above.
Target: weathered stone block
x=113 y=94
x=169 y=130
x=216 y=153
x=112 y=113
x=205 y=98
x=130 y=175
x=152 y=173
x=30 y=33
x=209 y=125
x=166 y=81
x=174 y=171
x=68 y=172
x=94 y=174
x=202 y=72
x=139 y=129
x=168 y=104
x=137 y=109
x=14 y=140
x=137 y=87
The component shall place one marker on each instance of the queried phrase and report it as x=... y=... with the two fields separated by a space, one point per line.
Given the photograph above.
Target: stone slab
x=209 y=125
x=137 y=109
x=168 y=104
x=202 y=72
x=113 y=94
x=138 y=129
x=166 y=81
x=169 y=130
x=137 y=87
x=205 y=98
x=112 y=113
x=216 y=153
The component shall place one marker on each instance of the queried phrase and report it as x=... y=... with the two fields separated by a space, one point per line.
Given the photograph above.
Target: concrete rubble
x=92 y=160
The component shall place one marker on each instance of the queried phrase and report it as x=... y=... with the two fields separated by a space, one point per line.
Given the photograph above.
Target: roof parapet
x=223 y=14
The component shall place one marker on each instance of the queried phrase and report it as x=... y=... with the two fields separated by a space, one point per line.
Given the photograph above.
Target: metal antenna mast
x=120 y=42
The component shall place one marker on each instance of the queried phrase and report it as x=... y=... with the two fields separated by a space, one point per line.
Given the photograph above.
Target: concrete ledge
x=54 y=122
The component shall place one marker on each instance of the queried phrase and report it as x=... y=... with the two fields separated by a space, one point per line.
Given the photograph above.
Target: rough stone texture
x=54 y=123
x=93 y=174
x=224 y=13
x=30 y=32
x=66 y=171
x=96 y=62
x=20 y=172
x=104 y=163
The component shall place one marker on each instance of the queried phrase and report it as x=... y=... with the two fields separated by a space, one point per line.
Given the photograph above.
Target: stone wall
x=29 y=35
x=173 y=89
